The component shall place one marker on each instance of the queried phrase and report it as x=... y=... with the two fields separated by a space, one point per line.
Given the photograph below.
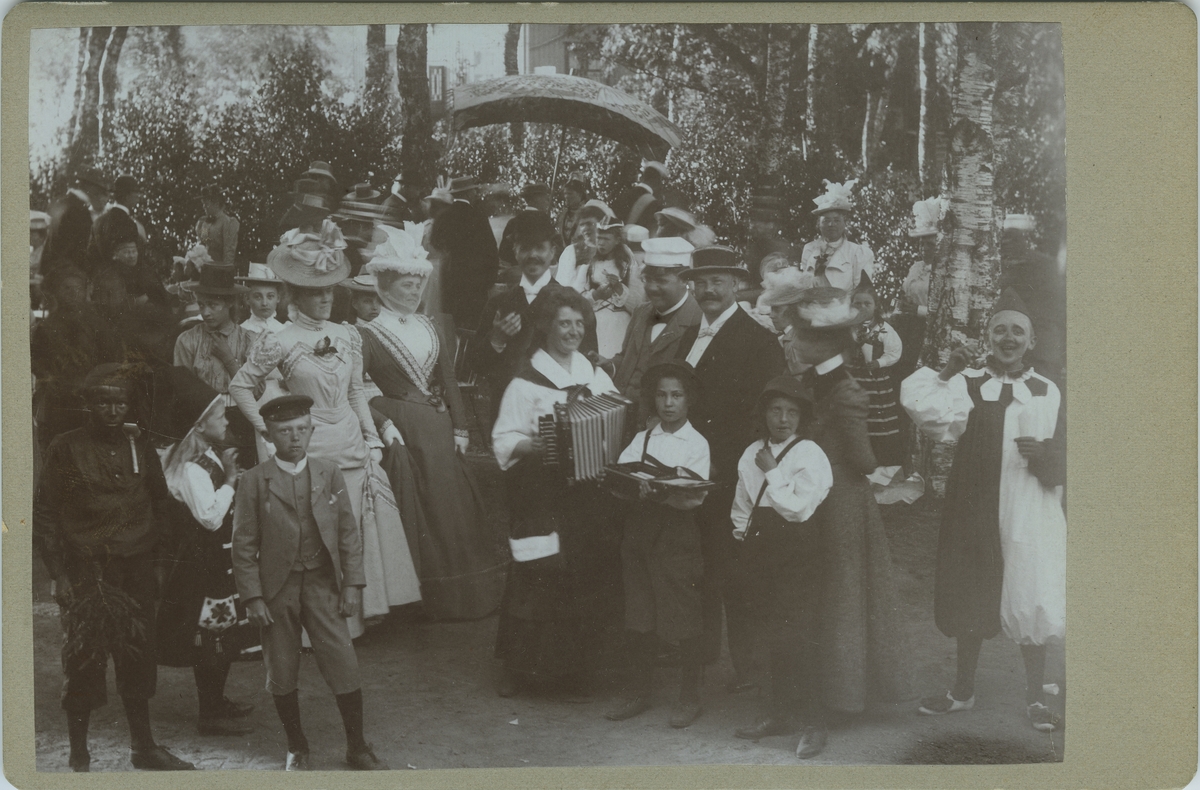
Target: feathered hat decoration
x=784 y=286
x=401 y=252
x=197 y=256
x=442 y=192
x=837 y=197
x=926 y=216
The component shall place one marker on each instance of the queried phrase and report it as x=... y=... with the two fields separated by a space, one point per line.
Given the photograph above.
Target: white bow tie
x=708 y=331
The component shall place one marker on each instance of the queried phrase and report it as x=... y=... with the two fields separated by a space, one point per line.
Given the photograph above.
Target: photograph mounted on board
x=540 y=395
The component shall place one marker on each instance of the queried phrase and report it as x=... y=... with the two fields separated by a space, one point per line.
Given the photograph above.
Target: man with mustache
x=734 y=357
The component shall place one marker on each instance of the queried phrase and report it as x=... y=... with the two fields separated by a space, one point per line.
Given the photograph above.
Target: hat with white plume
x=401 y=252
x=837 y=197
x=926 y=215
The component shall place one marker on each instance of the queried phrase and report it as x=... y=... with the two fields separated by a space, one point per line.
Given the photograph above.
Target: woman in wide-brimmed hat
x=410 y=358
x=323 y=360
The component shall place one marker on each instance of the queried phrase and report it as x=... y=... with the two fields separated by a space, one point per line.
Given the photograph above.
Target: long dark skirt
x=560 y=615
x=455 y=553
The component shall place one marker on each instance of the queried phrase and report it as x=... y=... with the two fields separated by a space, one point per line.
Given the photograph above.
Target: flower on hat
x=837 y=196
x=831 y=312
x=784 y=286
x=401 y=252
x=197 y=256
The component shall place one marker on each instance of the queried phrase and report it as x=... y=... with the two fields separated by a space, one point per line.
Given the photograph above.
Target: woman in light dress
x=323 y=360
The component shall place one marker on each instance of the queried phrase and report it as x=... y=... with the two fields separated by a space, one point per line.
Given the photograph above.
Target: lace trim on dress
x=417 y=373
x=267 y=351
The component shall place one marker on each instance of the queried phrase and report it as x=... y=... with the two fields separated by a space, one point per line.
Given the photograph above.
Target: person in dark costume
x=71 y=219
x=98 y=525
x=470 y=261
x=661 y=559
x=782 y=480
x=1001 y=561
x=564 y=574
x=408 y=357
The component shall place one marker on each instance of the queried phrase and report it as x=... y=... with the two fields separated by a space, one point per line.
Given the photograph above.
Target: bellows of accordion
x=584 y=436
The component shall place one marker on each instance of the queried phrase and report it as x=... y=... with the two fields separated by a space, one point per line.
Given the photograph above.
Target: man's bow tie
x=707 y=331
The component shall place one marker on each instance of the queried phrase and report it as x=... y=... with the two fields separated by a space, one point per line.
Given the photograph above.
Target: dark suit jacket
x=737 y=364
x=106 y=228
x=499 y=368
x=70 y=231
x=638 y=354
x=266 y=528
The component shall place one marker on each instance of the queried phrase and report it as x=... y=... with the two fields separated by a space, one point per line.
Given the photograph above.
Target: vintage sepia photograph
x=432 y=396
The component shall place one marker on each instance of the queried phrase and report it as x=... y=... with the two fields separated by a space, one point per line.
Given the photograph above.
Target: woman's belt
x=416 y=396
x=332 y=415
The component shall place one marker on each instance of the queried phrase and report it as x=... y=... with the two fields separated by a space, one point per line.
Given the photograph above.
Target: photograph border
x=1131 y=88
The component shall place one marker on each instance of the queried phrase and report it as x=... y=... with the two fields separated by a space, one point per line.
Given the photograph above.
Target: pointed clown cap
x=401 y=252
x=837 y=197
x=926 y=215
x=1011 y=300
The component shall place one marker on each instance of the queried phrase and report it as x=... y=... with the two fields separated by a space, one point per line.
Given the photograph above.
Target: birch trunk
x=108 y=87
x=810 y=93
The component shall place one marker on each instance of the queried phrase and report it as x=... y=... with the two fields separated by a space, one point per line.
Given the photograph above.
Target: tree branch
x=731 y=51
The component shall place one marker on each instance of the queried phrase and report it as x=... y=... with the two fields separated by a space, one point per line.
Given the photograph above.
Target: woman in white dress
x=323 y=360
x=1001 y=562
x=610 y=281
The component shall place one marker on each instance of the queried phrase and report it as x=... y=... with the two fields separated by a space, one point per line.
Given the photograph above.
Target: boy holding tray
x=660 y=552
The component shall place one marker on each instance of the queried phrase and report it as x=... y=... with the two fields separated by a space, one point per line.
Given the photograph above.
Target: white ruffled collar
x=581 y=371
x=990 y=390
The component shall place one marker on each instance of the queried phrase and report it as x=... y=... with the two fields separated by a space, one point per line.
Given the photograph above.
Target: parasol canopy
x=565 y=100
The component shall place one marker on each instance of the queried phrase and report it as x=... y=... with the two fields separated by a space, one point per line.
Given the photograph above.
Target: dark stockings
x=1035 y=672
x=968 y=662
x=210 y=688
x=351 y=707
x=288 y=708
x=137 y=713
x=77 y=731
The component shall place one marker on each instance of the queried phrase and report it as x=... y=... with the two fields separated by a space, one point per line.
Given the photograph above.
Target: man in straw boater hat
x=71 y=218
x=216 y=348
x=734 y=357
x=217 y=230
x=1001 y=563
x=859 y=650
x=98 y=525
x=265 y=291
x=833 y=259
x=657 y=327
x=298 y=562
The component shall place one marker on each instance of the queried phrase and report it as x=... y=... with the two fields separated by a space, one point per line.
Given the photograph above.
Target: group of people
x=289 y=478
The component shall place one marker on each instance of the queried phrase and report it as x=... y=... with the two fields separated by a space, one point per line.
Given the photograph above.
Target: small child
x=880 y=348
x=781 y=481
x=611 y=284
x=364 y=301
x=660 y=552
x=263 y=299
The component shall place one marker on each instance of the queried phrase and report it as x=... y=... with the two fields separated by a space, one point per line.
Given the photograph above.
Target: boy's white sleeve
x=743 y=505
x=800 y=483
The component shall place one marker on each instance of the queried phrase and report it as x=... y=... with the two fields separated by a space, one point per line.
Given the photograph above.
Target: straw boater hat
x=310 y=260
x=39 y=220
x=1020 y=222
x=837 y=197
x=216 y=280
x=363 y=283
x=363 y=193
x=635 y=235
x=926 y=215
x=670 y=252
x=401 y=252
x=678 y=217
x=260 y=274
x=717 y=259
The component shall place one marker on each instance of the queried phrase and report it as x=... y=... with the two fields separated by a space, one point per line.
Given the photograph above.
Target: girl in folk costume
x=860 y=648
x=832 y=259
x=610 y=283
x=660 y=552
x=1001 y=563
x=877 y=348
x=782 y=480
x=323 y=361
x=563 y=573
x=408 y=356
x=202 y=622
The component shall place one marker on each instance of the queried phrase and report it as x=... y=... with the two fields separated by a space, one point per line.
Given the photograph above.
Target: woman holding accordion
x=566 y=570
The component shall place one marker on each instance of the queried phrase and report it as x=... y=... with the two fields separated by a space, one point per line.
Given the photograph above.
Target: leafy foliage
x=101 y=620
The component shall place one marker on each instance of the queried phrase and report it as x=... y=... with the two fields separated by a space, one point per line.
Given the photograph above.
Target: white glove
x=461 y=443
x=392 y=434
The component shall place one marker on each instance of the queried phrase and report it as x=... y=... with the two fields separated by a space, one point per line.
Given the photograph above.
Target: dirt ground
x=430 y=702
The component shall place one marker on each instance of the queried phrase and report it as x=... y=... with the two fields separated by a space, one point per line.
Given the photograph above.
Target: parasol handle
x=562 y=138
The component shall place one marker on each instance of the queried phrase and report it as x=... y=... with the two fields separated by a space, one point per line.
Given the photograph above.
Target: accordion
x=583 y=436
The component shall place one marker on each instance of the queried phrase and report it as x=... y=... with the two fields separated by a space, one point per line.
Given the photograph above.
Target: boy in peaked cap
x=297 y=561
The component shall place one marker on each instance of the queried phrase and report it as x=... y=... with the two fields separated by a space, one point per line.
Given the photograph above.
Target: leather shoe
x=365 y=760
x=158 y=759
x=296 y=761
x=81 y=764
x=223 y=726
x=233 y=710
x=771 y=725
x=629 y=708
x=683 y=713
x=812 y=741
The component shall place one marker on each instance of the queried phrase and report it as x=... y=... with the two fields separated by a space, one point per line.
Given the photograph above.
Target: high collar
x=305 y=322
x=292 y=469
x=667 y=315
x=721 y=319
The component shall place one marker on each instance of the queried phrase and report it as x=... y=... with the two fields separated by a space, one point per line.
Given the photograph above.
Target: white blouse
x=524 y=401
x=795 y=488
x=893 y=347
x=686 y=448
x=207 y=505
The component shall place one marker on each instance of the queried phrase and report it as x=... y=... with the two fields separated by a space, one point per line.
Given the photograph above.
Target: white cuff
x=534 y=548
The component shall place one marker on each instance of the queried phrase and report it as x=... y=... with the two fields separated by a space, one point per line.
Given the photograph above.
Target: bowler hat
x=716 y=259
x=320 y=169
x=216 y=280
x=286 y=407
x=93 y=178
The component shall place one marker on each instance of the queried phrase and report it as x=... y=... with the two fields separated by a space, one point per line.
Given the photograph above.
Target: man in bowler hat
x=297 y=561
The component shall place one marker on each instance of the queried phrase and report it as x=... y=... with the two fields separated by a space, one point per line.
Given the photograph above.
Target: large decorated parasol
x=568 y=101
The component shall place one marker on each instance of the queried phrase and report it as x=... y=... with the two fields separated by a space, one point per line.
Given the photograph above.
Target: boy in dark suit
x=297 y=561
x=502 y=342
x=734 y=357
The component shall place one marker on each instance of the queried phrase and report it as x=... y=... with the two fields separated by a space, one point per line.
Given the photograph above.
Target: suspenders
x=763 y=489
